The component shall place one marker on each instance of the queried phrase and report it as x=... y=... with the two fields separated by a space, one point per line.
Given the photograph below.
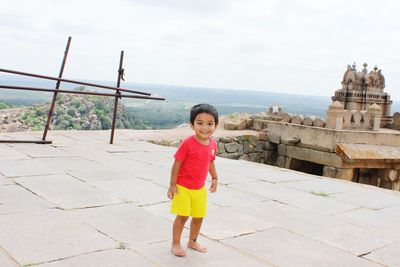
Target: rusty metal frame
x=117 y=95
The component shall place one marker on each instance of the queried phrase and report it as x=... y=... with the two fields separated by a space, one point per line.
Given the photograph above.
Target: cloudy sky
x=299 y=47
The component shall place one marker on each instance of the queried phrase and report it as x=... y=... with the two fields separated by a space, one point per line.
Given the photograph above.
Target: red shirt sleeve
x=182 y=151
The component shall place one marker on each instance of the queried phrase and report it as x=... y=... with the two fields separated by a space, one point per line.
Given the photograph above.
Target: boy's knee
x=182 y=219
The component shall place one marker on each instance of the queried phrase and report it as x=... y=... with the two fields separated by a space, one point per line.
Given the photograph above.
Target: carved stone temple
x=358 y=140
x=360 y=89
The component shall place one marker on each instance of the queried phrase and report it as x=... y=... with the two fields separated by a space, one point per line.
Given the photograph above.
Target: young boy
x=193 y=160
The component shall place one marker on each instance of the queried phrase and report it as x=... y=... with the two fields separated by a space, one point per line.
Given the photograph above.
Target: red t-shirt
x=195 y=158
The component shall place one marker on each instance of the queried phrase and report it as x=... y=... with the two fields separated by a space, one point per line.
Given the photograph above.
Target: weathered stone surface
x=281 y=161
x=114 y=257
x=233 y=155
x=262 y=136
x=12 y=168
x=217 y=255
x=227 y=139
x=368 y=197
x=67 y=192
x=35 y=237
x=244 y=157
x=259 y=146
x=273 y=137
x=134 y=223
x=282 y=151
x=298 y=119
x=388 y=256
x=292 y=141
x=255 y=157
x=309 y=120
x=221 y=148
x=303 y=200
x=269 y=146
x=318 y=122
x=289 y=249
x=374 y=220
x=249 y=147
x=231 y=147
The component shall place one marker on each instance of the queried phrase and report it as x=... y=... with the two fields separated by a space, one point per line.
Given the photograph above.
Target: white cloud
x=287 y=46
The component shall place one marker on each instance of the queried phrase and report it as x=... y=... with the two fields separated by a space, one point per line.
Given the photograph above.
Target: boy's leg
x=177 y=229
x=195 y=226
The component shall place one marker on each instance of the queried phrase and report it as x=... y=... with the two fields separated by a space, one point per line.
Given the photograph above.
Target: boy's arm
x=174 y=176
x=214 y=177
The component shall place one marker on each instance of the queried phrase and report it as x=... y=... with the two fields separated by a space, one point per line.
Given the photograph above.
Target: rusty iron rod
x=53 y=102
x=72 y=81
x=27 y=141
x=77 y=92
x=120 y=73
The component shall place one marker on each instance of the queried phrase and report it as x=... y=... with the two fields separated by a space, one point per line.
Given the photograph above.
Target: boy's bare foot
x=196 y=246
x=177 y=250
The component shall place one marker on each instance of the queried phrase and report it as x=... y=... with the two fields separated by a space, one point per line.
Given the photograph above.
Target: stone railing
x=247 y=147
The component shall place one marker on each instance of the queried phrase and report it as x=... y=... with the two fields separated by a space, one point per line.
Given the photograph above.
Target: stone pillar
x=344 y=174
x=335 y=115
x=375 y=113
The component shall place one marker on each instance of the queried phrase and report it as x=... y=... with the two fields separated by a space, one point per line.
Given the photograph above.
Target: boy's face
x=204 y=126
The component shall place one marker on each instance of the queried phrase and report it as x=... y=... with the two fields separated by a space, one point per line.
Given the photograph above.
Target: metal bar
x=27 y=141
x=53 y=102
x=120 y=74
x=77 y=92
x=72 y=81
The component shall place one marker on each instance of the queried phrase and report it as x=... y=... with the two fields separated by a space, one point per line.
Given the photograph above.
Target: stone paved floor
x=83 y=202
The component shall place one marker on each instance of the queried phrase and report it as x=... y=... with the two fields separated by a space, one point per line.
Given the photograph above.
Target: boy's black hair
x=203 y=108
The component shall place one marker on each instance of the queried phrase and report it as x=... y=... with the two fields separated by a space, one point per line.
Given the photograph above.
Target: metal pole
x=53 y=102
x=71 y=81
x=120 y=75
x=25 y=88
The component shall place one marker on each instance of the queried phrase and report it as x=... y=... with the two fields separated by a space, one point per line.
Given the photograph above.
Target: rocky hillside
x=71 y=112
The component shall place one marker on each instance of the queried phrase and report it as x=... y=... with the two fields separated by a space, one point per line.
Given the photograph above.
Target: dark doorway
x=306 y=166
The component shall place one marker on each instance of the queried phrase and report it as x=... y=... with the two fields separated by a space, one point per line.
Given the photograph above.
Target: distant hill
x=179 y=99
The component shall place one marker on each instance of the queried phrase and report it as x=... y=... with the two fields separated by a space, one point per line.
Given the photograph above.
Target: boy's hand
x=172 y=190
x=213 y=186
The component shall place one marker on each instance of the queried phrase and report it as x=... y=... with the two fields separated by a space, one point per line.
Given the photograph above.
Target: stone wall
x=248 y=147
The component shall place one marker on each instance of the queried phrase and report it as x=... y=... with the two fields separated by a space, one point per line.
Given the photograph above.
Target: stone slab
x=374 y=220
x=6 y=260
x=8 y=153
x=36 y=237
x=388 y=256
x=14 y=198
x=126 y=223
x=67 y=192
x=220 y=225
x=16 y=168
x=265 y=172
x=216 y=256
x=159 y=158
x=295 y=198
x=394 y=210
x=88 y=152
x=105 y=258
x=134 y=190
x=5 y=181
x=322 y=185
x=329 y=230
x=226 y=178
x=370 y=197
x=71 y=163
x=283 y=248
x=99 y=175
x=228 y=197
x=40 y=151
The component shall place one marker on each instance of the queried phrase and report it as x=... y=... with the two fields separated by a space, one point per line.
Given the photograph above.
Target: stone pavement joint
x=83 y=202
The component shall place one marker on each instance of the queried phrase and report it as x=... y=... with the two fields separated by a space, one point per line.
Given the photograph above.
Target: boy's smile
x=204 y=126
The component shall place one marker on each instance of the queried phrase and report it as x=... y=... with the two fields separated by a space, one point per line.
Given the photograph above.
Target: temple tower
x=361 y=89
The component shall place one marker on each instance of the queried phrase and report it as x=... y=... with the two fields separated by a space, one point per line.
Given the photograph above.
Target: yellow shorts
x=190 y=202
